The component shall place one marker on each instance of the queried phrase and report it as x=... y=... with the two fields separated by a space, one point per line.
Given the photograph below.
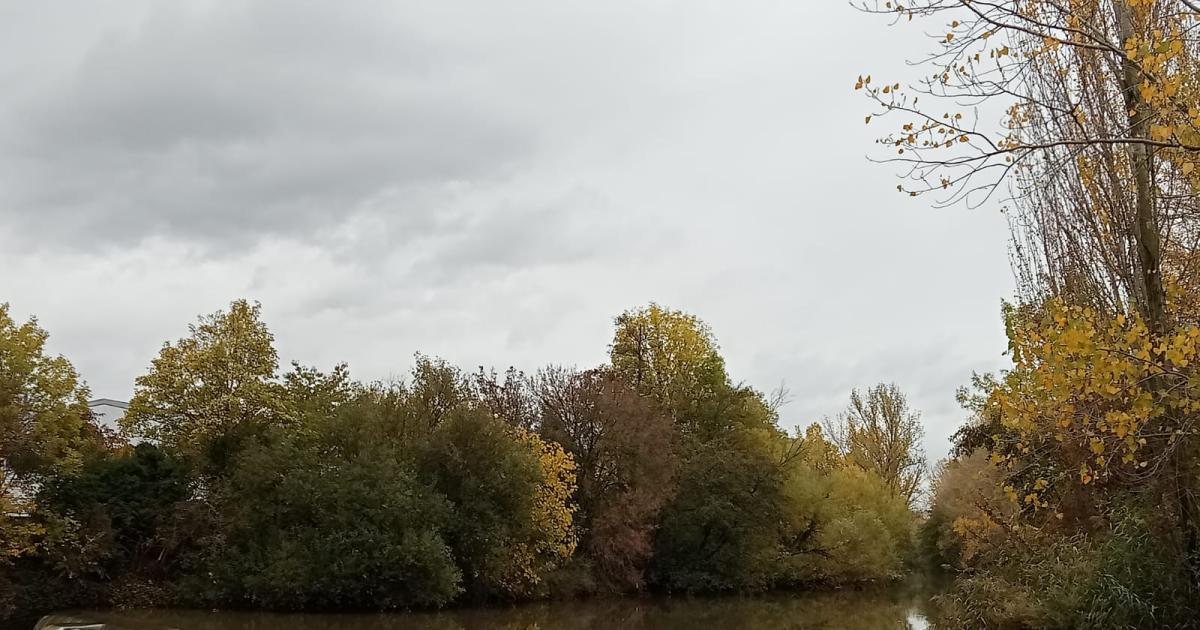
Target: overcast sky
x=490 y=182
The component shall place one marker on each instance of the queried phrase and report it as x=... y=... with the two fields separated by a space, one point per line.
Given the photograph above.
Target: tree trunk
x=1145 y=228
x=1153 y=297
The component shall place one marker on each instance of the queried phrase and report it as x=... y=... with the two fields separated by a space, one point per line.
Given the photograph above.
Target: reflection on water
x=832 y=611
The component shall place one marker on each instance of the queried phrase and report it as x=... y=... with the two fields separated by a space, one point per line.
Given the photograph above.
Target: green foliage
x=721 y=529
x=44 y=419
x=309 y=491
x=437 y=390
x=753 y=507
x=45 y=429
x=844 y=524
x=879 y=433
x=672 y=357
x=308 y=391
x=321 y=522
x=121 y=501
x=869 y=528
x=1125 y=579
x=1141 y=582
x=209 y=391
x=938 y=548
x=495 y=477
x=764 y=510
x=1068 y=503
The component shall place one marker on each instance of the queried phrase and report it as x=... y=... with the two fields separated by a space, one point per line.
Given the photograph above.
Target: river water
x=850 y=610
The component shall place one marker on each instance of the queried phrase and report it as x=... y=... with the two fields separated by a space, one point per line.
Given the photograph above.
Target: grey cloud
x=576 y=226
x=231 y=124
x=491 y=182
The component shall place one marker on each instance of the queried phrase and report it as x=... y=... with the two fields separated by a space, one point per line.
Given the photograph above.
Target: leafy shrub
x=310 y=526
x=1127 y=577
x=509 y=493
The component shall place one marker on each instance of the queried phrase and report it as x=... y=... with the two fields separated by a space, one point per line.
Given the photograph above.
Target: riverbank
x=899 y=607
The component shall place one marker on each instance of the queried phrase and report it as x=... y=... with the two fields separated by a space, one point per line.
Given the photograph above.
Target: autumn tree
x=308 y=390
x=208 y=390
x=510 y=493
x=721 y=528
x=308 y=490
x=1094 y=400
x=1099 y=126
x=880 y=433
x=46 y=431
x=435 y=389
x=622 y=446
x=1097 y=143
x=671 y=356
x=966 y=504
x=510 y=398
x=44 y=418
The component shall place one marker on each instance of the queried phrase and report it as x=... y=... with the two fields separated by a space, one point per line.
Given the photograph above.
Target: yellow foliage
x=1083 y=45
x=44 y=419
x=18 y=535
x=552 y=516
x=1102 y=393
x=219 y=378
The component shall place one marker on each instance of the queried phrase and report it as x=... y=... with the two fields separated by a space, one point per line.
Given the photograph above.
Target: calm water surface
x=830 y=611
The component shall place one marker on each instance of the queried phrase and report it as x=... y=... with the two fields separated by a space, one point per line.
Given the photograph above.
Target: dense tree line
x=1071 y=497
x=234 y=483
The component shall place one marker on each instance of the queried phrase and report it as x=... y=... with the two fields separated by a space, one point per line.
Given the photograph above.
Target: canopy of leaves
x=321 y=522
x=211 y=389
x=44 y=418
x=622 y=446
x=122 y=501
x=878 y=432
x=672 y=357
x=309 y=491
x=511 y=517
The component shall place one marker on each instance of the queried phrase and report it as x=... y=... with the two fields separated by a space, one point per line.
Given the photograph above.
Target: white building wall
x=108 y=412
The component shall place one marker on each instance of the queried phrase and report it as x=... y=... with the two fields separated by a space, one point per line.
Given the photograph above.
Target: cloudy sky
x=488 y=182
